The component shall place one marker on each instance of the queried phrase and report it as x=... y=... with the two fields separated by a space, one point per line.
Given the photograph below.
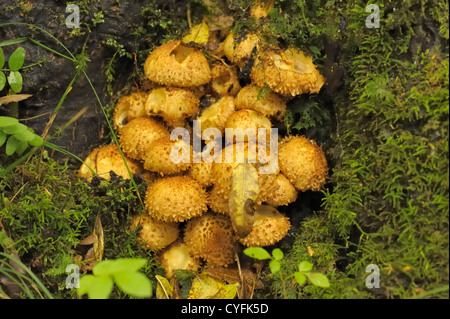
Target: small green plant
x=275 y=265
x=123 y=272
x=20 y=136
x=15 y=62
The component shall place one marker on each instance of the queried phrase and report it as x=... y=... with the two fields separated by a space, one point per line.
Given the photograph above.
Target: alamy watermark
x=73 y=19
x=373 y=19
x=373 y=279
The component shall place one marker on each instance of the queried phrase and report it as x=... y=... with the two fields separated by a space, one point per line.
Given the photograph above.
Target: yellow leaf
x=244 y=192
x=99 y=244
x=206 y=287
x=198 y=34
x=164 y=289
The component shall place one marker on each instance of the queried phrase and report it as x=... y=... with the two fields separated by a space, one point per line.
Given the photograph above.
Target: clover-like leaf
x=11 y=145
x=2 y=138
x=2 y=80
x=300 y=278
x=133 y=283
x=100 y=287
x=305 y=266
x=15 y=81
x=274 y=266
x=16 y=59
x=277 y=254
x=6 y=121
x=257 y=253
x=318 y=279
x=2 y=58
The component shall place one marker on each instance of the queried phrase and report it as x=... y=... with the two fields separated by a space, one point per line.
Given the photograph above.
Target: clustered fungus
x=198 y=212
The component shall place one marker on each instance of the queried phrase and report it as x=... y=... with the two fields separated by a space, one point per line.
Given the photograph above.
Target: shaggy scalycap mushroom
x=138 y=134
x=225 y=80
x=308 y=169
x=175 y=199
x=248 y=120
x=269 y=227
x=158 y=157
x=266 y=102
x=288 y=72
x=129 y=107
x=174 y=64
x=172 y=104
x=104 y=159
x=282 y=192
x=217 y=114
x=238 y=48
x=211 y=237
x=155 y=234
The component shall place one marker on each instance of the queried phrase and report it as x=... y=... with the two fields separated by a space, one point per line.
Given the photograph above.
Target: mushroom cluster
x=189 y=205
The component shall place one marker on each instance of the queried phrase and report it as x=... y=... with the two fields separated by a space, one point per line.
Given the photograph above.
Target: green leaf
x=2 y=59
x=110 y=267
x=318 y=279
x=6 y=121
x=134 y=283
x=300 y=278
x=17 y=59
x=15 y=81
x=36 y=141
x=11 y=145
x=25 y=136
x=21 y=147
x=2 y=138
x=305 y=266
x=2 y=80
x=100 y=287
x=18 y=128
x=257 y=253
x=104 y=268
x=274 y=266
x=277 y=254
x=85 y=284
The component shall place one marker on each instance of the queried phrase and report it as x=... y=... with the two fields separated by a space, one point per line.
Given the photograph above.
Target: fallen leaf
x=164 y=289
x=14 y=98
x=244 y=192
x=89 y=240
x=99 y=244
x=206 y=287
x=198 y=34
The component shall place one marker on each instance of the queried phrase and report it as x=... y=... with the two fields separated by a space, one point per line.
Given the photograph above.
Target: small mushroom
x=269 y=227
x=129 y=107
x=238 y=48
x=303 y=162
x=217 y=114
x=159 y=159
x=177 y=257
x=211 y=237
x=138 y=134
x=155 y=234
x=225 y=80
x=249 y=121
x=175 y=199
x=172 y=104
x=282 y=193
x=174 y=64
x=201 y=172
x=266 y=102
x=288 y=72
x=104 y=159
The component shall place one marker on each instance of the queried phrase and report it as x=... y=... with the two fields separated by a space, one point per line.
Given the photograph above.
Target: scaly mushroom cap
x=303 y=162
x=217 y=202
x=172 y=104
x=283 y=192
x=129 y=107
x=225 y=80
x=155 y=234
x=201 y=172
x=105 y=159
x=289 y=72
x=222 y=173
x=247 y=120
x=175 y=199
x=238 y=49
x=138 y=134
x=217 y=114
x=159 y=157
x=267 y=103
x=177 y=257
x=211 y=237
x=269 y=227
x=173 y=64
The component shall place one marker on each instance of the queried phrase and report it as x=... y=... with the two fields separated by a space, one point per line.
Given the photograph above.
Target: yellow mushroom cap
x=173 y=64
x=172 y=104
x=283 y=192
x=175 y=199
x=201 y=172
x=288 y=72
x=158 y=156
x=269 y=227
x=155 y=234
x=238 y=48
x=261 y=9
x=129 y=107
x=105 y=159
x=217 y=202
x=247 y=120
x=217 y=114
x=225 y=80
x=266 y=102
x=211 y=237
x=303 y=162
x=138 y=134
x=177 y=257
